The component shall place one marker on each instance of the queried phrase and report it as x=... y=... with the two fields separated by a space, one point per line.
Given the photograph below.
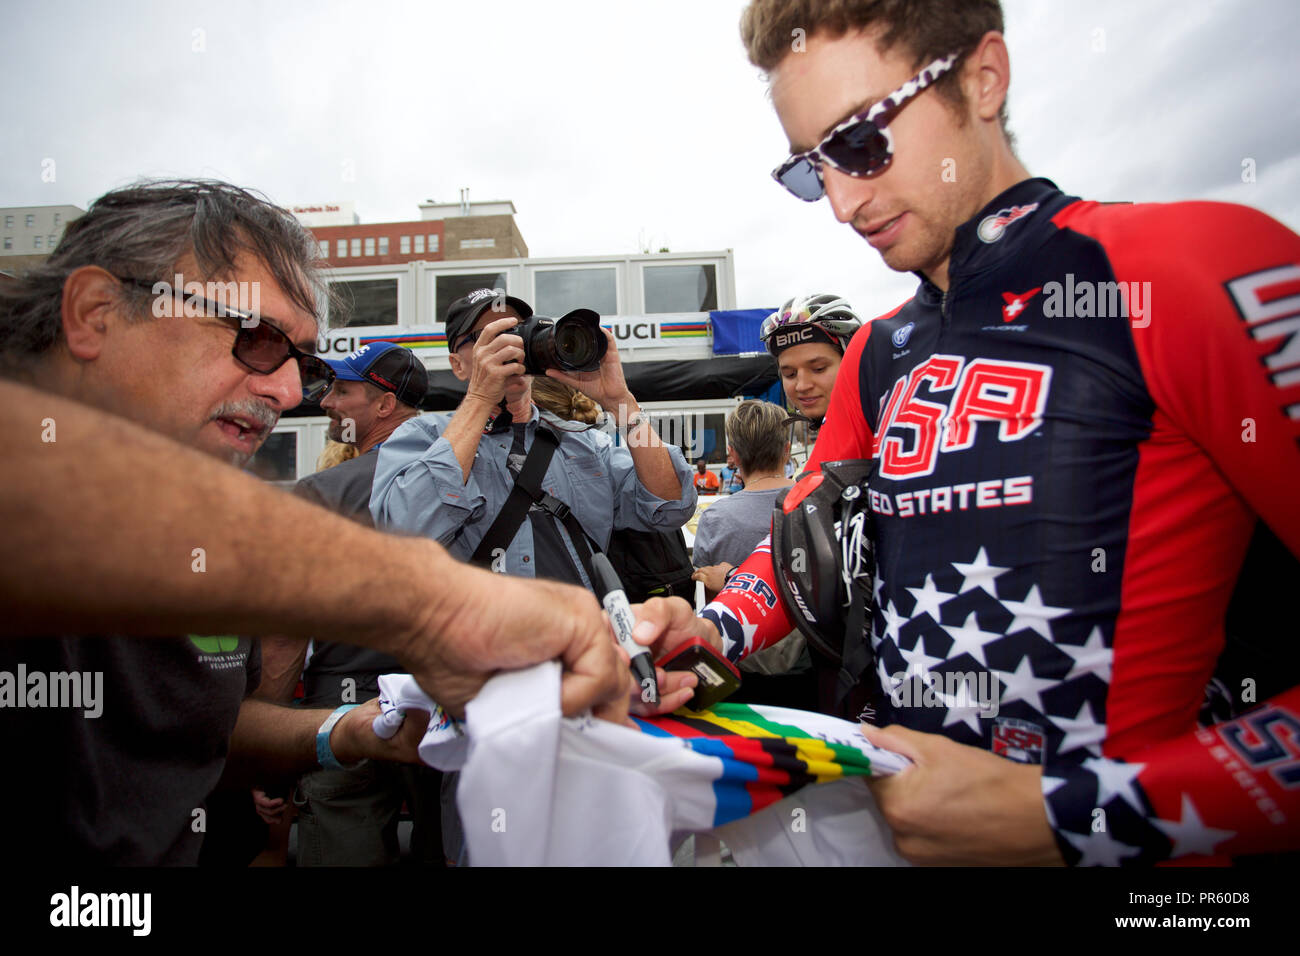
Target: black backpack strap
x=527 y=489
x=856 y=656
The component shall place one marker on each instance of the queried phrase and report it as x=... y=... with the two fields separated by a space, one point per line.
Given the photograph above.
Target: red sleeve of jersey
x=748 y=612
x=1219 y=337
x=1213 y=293
x=1229 y=790
x=846 y=434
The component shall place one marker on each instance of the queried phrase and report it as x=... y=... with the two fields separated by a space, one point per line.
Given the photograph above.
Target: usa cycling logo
x=992 y=227
x=913 y=431
x=901 y=336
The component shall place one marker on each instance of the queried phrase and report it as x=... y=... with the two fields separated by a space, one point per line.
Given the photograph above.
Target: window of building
x=364 y=302
x=478 y=243
x=325 y=248
x=562 y=290
x=30 y=220
x=277 y=459
x=383 y=245
x=38 y=242
x=9 y=222
x=356 y=248
x=449 y=288
x=419 y=244
x=404 y=245
x=53 y=241
x=680 y=288
x=433 y=243
x=58 y=218
x=9 y=242
x=370 y=245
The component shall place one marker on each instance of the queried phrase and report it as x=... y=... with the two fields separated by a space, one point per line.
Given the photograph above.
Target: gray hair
x=142 y=231
x=757 y=431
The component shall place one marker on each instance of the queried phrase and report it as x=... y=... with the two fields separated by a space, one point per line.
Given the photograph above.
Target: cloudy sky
x=611 y=124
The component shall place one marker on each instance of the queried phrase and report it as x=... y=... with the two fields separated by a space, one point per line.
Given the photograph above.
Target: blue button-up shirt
x=418 y=489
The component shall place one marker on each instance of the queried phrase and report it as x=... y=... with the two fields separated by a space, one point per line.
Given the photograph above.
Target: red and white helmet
x=822 y=317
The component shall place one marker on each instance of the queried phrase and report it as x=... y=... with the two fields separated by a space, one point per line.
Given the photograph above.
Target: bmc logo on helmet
x=793 y=337
x=1013 y=394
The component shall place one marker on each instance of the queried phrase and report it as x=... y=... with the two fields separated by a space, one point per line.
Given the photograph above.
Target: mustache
x=261 y=413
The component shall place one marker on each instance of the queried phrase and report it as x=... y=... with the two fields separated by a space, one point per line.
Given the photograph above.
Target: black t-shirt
x=344 y=489
x=552 y=557
x=117 y=744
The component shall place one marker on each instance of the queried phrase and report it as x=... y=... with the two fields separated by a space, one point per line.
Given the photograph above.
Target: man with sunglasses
x=127 y=736
x=1075 y=424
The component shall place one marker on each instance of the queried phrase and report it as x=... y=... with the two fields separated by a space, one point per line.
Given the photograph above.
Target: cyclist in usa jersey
x=1076 y=423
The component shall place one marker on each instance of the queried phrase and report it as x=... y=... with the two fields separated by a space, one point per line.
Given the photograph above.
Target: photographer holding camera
x=451 y=479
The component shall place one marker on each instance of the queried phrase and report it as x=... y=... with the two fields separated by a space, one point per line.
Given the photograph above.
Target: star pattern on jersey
x=970 y=639
x=893 y=621
x=1188 y=834
x=1091 y=657
x=1081 y=732
x=984 y=622
x=1022 y=684
x=1032 y=613
x=979 y=574
x=1100 y=849
x=928 y=598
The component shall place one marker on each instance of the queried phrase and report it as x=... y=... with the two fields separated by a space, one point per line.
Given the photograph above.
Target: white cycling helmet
x=801 y=320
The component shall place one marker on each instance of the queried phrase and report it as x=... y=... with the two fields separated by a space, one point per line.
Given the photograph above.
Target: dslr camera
x=572 y=343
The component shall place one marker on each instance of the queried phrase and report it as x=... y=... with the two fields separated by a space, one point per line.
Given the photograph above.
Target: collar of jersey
x=971 y=255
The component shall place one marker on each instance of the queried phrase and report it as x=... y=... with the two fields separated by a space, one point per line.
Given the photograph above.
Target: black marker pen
x=620 y=615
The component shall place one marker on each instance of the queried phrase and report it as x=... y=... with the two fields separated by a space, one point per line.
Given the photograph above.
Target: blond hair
x=568 y=403
x=757 y=431
x=335 y=453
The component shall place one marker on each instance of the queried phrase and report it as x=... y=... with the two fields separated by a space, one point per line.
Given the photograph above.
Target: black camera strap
x=526 y=492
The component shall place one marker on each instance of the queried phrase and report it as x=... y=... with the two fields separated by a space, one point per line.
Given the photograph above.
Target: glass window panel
x=383 y=245
x=451 y=288
x=405 y=245
x=433 y=243
x=30 y=220
x=38 y=242
x=341 y=249
x=419 y=244
x=370 y=246
x=562 y=290
x=680 y=288
x=325 y=248
x=356 y=247
x=364 y=302
x=277 y=459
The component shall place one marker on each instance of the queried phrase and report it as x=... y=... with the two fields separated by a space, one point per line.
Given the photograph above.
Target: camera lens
x=576 y=344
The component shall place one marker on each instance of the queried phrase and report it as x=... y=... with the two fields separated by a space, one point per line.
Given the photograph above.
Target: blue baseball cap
x=388 y=366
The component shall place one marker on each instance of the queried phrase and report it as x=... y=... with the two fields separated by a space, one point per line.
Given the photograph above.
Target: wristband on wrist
x=637 y=420
x=324 y=754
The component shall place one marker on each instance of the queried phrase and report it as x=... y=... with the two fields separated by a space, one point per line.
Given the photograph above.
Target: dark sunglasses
x=860 y=146
x=259 y=346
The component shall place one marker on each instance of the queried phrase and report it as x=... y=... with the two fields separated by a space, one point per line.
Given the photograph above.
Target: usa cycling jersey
x=1073 y=444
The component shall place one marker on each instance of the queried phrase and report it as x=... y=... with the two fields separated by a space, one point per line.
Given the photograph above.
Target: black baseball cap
x=388 y=366
x=465 y=311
